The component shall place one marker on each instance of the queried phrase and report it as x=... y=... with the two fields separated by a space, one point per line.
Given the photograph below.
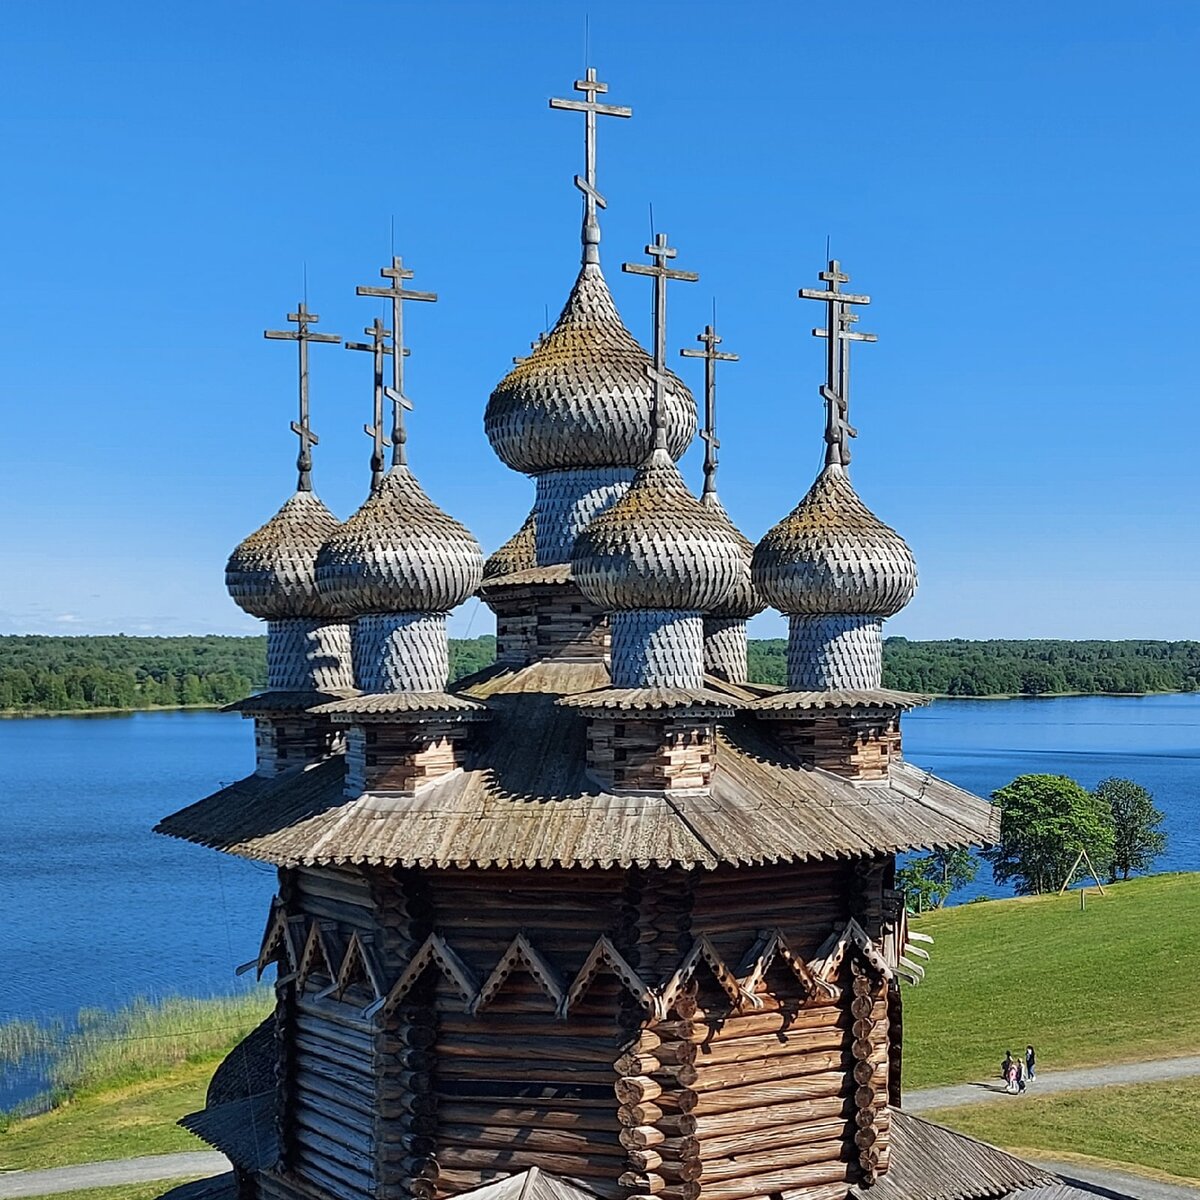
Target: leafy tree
x=1138 y=838
x=931 y=878
x=1045 y=820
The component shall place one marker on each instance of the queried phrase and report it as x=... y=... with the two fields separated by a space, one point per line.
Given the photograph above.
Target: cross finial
x=711 y=356
x=662 y=253
x=302 y=335
x=591 y=87
x=839 y=333
x=378 y=347
x=397 y=293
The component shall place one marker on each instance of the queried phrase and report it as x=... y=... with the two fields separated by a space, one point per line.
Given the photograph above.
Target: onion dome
x=743 y=601
x=399 y=553
x=831 y=554
x=272 y=574
x=658 y=547
x=519 y=553
x=583 y=398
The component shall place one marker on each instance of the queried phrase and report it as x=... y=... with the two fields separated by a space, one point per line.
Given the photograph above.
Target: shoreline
x=17 y=713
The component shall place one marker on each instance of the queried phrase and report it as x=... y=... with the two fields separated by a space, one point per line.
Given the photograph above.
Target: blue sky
x=1015 y=185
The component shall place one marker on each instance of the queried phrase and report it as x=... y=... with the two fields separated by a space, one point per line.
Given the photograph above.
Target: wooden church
x=605 y=920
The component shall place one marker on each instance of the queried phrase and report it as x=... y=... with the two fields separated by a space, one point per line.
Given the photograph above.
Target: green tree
x=1045 y=820
x=930 y=879
x=1138 y=839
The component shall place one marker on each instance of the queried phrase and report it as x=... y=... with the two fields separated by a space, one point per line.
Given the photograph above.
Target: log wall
x=553 y=621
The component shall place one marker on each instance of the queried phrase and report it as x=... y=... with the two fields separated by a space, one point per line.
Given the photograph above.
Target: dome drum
x=567 y=501
x=306 y=654
x=725 y=648
x=835 y=652
x=657 y=648
x=401 y=652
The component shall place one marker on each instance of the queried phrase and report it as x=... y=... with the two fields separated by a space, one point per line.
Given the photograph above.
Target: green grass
x=121 y=1080
x=1144 y=1125
x=1116 y=982
x=121 y=1122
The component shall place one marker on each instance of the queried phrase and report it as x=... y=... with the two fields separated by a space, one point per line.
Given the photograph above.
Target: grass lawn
x=1116 y=982
x=1151 y=1125
x=124 y=1122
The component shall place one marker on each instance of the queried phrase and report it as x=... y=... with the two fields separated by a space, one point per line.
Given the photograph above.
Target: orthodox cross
x=378 y=347
x=302 y=335
x=839 y=333
x=397 y=293
x=660 y=272
x=591 y=87
x=711 y=356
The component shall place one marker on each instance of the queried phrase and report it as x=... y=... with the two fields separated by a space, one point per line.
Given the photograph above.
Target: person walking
x=1030 y=1063
x=1008 y=1072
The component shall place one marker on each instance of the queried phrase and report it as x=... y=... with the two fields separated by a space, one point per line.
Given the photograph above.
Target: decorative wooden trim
x=603 y=954
x=702 y=951
x=320 y=944
x=437 y=951
x=837 y=945
x=359 y=965
x=276 y=945
x=771 y=944
x=521 y=952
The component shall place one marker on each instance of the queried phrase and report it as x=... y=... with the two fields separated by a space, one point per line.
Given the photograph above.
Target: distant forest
x=74 y=674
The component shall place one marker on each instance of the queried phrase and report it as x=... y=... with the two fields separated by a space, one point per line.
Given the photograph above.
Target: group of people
x=1017 y=1074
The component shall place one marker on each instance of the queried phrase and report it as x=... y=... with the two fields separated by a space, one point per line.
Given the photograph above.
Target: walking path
x=1113 y=1185
x=1049 y=1082
x=106 y=1174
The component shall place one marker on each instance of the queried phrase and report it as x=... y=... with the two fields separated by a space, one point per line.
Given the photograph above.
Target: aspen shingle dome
x=582 y=397
x=658 y=547
x=519 y=553
x=399 y=553
x=831 y=554
x=743 y=601
x=272 y=573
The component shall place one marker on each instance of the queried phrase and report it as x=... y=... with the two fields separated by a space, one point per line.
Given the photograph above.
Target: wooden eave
x=524 y=799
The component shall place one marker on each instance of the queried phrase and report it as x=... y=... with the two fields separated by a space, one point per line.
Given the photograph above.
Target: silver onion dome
x=272 y=573
x=519 y=553
x=399 y=553
x=658 y=547
x=743 y=601
x=582 y=398
x=831 y=554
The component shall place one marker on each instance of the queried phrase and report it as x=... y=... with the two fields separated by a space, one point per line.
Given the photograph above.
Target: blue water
x=1154 y=740
x=96 y=909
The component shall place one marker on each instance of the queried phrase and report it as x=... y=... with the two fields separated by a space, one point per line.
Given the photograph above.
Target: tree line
x=1017 y=668
x=1047 y=824
x=74 y=674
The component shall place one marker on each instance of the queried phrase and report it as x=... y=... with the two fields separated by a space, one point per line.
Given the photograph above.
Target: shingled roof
x=525 y=799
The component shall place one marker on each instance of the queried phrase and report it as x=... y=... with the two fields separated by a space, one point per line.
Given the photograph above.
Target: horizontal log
x=645 y=1113
x=528 y=1069
x=637 y=1064
x=802 y=1087
x=331 y=1120
x=753 y=1140
x=642 y=1181
x=756 y=1049
x=681 y=1171
x=339 y=1149
x=677 y=1100
x=543 y=1043
x=765 y=1070
x=633 y=1089
x=334 y=1022
x=566 y=1141
x=582 y=1166
x=491 y=1024
x=644 y=1160
x=783 y=1180
x=337 y=1181
x=525 y=1114
x=716 y=1127
x=641 y=1137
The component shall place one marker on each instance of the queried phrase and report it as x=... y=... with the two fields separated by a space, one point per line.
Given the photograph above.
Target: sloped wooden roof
x=243 y=1130
x=525 y=799
x=930 y=1162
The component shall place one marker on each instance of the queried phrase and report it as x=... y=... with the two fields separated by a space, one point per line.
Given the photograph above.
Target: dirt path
x=1049 y=1082
x=15 y=1184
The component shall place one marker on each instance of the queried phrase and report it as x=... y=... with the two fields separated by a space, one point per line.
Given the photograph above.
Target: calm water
x=96 y=909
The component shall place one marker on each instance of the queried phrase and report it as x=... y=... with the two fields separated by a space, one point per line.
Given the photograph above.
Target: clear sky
x=1016 y=185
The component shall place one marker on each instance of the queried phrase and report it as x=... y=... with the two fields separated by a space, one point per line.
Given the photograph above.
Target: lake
x=97 y=909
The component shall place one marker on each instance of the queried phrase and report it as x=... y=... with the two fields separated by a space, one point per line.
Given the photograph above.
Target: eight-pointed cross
x=397 y=293
x=302 y=336
x=378 y=347
x=711 y=356
x=839 y=334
